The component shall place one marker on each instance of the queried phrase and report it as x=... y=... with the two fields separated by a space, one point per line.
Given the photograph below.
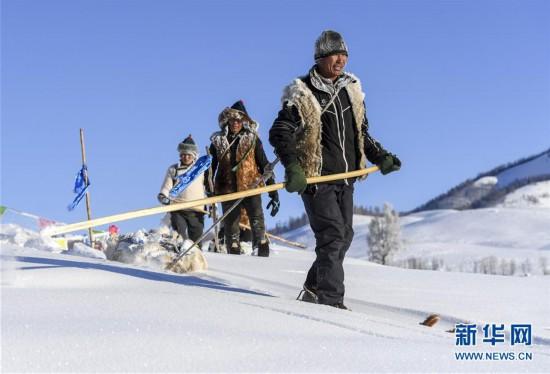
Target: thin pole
x=188 y=204
x=271 y=236
x=88 y=208
x=275 y=237
x=214 y=208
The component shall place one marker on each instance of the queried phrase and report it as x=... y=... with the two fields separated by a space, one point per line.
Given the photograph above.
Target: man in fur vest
x=189 y=223
x=322 y=129
x=238 y=162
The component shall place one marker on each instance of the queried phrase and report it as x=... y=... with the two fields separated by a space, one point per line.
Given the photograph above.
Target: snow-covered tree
x=384 y=237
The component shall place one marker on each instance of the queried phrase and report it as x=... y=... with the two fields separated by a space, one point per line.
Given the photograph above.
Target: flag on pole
x=41 y=221
x=80 y=187
x=44 y=222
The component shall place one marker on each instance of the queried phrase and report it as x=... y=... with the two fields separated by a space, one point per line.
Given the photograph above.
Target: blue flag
x=189 y=176
x=80 y=187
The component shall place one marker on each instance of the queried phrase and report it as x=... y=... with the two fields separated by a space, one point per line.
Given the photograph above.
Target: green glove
x=389 y=163
x=295 y=178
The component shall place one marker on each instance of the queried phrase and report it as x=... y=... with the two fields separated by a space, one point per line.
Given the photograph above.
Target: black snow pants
x=330 y=211
x=253 y=207
x=188 y=223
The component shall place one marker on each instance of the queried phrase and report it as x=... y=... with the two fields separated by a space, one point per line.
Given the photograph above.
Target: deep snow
x=535 y=195
x=66 y=313
x=71 y=312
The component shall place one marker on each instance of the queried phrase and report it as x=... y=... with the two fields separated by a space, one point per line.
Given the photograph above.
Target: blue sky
x=453 y=88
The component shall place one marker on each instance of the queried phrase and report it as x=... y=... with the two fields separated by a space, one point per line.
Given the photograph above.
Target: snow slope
x=461 y=240
x=535 y=167
x=533 y=195
x=524 y=229
x=65 y=313
x=487 y=189
x=458 y=239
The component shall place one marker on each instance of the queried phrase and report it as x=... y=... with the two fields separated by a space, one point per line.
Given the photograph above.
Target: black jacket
x=339 y=134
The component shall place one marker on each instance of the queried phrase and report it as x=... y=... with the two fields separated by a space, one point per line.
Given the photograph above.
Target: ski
x=431 y=320
x=184 y=180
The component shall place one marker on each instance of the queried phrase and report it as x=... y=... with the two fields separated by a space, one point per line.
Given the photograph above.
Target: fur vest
x=308 y=138
x=245 y=172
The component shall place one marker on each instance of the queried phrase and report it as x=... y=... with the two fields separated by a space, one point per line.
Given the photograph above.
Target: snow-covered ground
x=533 y=195
x=79 y=312
x=64 y=313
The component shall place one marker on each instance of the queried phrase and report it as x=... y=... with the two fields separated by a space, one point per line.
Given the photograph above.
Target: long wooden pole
x=269 y=235
x=189 y=204
x=278 y=238
x=88 y=207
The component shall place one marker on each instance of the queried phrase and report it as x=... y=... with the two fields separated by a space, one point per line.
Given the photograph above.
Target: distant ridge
x=489 y=188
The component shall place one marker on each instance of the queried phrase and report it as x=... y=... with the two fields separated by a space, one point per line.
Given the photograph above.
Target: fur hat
x=330 y=43
x=237 y=111
x=188 y=146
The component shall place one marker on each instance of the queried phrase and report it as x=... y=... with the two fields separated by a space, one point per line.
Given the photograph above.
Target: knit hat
x=237 y=111
x=188 y=146
x=330 y=43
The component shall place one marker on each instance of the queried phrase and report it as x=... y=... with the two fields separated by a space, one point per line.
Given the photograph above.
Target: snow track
x=282 y=282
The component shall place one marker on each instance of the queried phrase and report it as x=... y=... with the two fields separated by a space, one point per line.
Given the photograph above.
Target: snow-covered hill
x=537 y=166
x=499 y=240
x=64 y=313
x=75 y=313
x=508 y=241
x=533 y=195
x=491 y=188
x=510 y=237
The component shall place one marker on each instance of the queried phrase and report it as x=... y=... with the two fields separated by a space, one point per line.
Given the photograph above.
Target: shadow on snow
x=186 y=280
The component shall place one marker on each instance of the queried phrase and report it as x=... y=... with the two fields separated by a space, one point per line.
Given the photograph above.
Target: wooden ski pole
x=269 y=235
x=88 y=207
x=278 y=238
x=210 y=200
